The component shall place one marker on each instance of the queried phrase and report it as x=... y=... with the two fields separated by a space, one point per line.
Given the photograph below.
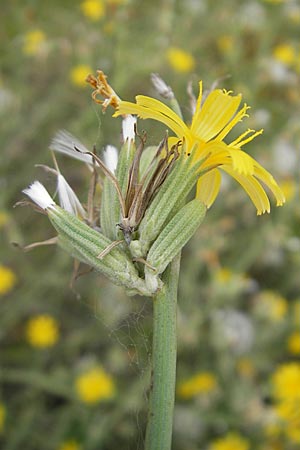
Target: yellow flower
x=245 y=367
x=225 y=43
x=34 y=41
x=2 y=416
x=79 y=73
x=94 y=385
x=202 y=383
x=273 y=305
x=224 y=275
x=4 y=218
x=7 y=280
x=293 y=343
x=180 y=60
x=70 y=445
x=42 y=331
x=231 y=441
x=286 y=382
x=212 y=121
x=93 y=9
x=285 y=54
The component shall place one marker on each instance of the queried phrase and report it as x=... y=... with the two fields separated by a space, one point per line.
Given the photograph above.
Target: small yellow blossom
x=4 y=218
x=273 y=305
x=7 y=280
x=180 y=60
x=289 y=188
x=93 y=9
x=202 y=383
x=2 y=416
x=79 y=73
x=212 y=121
x=285 y=54
x=225 y=43
x=232 y=441
x=33 y=42
x=224 y=275
x=42 y=331
x=94 y=385
x=245 y=367
x=293 y=343
x=286 y=382
x=70 y=445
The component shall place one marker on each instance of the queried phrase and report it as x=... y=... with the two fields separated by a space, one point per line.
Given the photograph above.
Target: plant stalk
x=164 y=351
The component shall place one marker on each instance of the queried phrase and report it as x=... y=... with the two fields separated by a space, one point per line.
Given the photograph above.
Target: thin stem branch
x=164 y=351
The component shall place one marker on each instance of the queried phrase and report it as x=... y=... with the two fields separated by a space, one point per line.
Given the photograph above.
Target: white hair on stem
x=110 y=157
x=39 y=195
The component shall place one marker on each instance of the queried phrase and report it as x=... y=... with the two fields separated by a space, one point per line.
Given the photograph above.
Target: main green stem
x=164 y=351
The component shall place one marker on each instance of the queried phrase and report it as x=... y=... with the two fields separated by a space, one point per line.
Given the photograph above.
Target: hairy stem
x=162 y=394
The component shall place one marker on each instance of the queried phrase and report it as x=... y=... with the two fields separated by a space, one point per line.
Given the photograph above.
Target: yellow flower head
x=4 y=218
x=286 y=382
x=95 y=385
x=273 y=305
x=213 y=119
x=33 y=42
x=285 y=53
x=180 y=60
x=293 y=343
x=70 y=445
x=7 y=280
x=202 y=383
x=42 y=331
x=231 y=441
x=2 y=416
x=79 y=74
x=225 y=43
x=93 y=9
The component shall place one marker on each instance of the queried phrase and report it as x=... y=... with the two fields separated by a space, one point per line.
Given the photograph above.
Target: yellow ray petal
x=264 y=176
x=217 y=110
x=241 y=161
x=253 y=189
x=208 y=187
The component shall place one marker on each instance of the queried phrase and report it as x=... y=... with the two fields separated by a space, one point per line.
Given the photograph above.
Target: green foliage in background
x=75 y=361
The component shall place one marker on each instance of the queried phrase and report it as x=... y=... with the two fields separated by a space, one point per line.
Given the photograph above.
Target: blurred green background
x=75 y=363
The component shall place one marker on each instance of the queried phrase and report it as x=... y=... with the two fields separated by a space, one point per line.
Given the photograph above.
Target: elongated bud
x=176 y=187
x=172 y=239
x=110 y=204
x=176 y=234
x=86 y=244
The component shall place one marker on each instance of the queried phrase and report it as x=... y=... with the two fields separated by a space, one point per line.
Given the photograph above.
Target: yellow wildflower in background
x=231 y=441
x=42 y=331
x=293 y=343
x=33 y=42
x=2 y=416
x=79 y=73
x=213 y=119
x=202 y=383
x=70 y=445
x=7 y=280
x=273 y=305
x=93 y=9
x=95 y=385
x=4 y=218
x=225 y=43
x=224 y=275
x=286 y=382
x=284 y=53
x=180 y=60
